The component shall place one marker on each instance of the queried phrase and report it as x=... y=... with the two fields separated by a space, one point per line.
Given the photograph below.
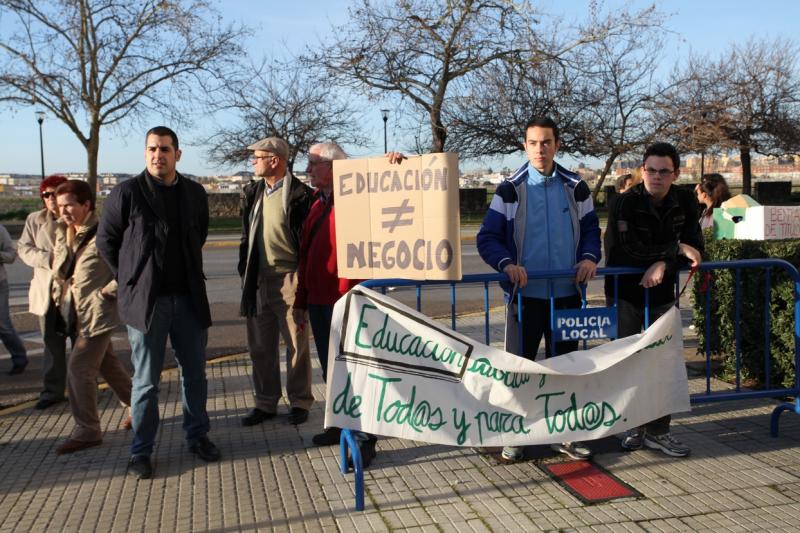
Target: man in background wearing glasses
x=274 y=206
x=653 y=225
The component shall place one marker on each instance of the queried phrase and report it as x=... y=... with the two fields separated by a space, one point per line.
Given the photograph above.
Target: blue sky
x=702 y=26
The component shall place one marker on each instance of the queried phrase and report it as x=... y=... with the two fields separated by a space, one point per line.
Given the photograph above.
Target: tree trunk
x=438 y=132
x=744 y=155
x=92 y=149
x=598 y=187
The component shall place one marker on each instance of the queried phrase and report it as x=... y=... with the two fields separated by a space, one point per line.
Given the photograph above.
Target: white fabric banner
x=395 y=372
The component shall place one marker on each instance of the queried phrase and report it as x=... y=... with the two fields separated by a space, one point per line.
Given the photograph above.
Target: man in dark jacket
x=653 y=225
x=151 y=234
x=274 y=207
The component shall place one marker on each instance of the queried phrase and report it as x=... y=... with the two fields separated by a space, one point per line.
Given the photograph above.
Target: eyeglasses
x=663 y=172
x=48 y=194
x=256 y=158
x=318 y=162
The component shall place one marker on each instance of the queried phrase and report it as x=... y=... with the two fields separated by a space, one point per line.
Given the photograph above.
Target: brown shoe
x=72 y=445
x=127 y=423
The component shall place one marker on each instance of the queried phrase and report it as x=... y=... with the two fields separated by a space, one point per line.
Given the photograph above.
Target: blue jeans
x=8 y=334
x=173 y=315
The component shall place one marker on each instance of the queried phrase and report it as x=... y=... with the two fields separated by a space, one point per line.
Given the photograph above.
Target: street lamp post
x=385 y=115
x=40 y=120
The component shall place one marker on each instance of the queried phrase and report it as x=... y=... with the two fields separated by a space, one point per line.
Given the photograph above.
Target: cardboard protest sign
x=398 y=220
x=398 y=373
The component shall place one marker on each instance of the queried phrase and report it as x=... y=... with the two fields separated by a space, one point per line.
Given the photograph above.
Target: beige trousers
x=264 y=331
x=90 y=357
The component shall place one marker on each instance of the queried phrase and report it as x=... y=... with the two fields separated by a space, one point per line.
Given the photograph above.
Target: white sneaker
x=576 y=450
x=512 y=454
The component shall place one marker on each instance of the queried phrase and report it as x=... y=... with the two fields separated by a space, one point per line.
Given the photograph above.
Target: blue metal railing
x=349 y=443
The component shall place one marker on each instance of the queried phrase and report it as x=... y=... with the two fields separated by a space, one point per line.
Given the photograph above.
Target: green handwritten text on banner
x=398 y=373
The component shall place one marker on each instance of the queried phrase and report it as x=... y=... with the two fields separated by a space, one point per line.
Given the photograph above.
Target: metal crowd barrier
x=708 y=395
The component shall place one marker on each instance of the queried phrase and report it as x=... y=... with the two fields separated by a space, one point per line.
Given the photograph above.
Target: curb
x=103 y=386
x=469 y=239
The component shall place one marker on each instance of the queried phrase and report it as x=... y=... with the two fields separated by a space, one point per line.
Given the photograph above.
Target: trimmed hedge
x=751 y=295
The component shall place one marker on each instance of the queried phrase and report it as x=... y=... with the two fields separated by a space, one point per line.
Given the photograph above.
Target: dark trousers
x=630 y=321
x=54 y=365
x=536 y=323
x=320 y=316
x=9 y=336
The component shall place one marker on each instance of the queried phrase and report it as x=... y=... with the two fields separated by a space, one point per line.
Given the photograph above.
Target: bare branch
x=286 y=100
x=96 y=63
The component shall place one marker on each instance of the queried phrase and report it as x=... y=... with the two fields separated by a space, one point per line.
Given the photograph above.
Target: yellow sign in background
x=398 y=220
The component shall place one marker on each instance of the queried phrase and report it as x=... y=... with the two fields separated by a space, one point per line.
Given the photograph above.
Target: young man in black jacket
x=151 y=234
x=653 y=225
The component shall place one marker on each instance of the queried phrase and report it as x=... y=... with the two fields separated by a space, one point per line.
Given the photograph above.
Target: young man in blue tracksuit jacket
x=541 y=218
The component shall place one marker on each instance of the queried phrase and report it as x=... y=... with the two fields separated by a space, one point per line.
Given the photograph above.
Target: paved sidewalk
x=271 y=477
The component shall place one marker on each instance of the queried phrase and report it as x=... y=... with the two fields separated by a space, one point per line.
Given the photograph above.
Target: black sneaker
x=17 y=368
x=634 y=440
x=667 y=444
x=297 y=415
x=329 y=437
x=139 y=466
x=205 y=450
x=368 y=453
x=44 y=403
x=256 y=416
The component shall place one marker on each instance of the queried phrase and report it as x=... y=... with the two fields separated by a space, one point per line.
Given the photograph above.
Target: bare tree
x=600 y=92
x=690 y=116
x=284 y=100
x=96 y=63
x=748 y=99
x=488 y=119
x=438 y=55
x=616 y=100
x=419 y=49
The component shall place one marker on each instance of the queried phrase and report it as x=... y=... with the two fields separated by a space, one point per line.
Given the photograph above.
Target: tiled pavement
x=271 y=477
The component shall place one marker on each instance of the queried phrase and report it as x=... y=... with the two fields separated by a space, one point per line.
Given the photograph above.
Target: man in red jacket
x=318 y=283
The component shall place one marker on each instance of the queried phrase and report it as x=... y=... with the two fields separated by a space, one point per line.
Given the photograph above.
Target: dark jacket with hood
x=296 y=200
x=132 y=239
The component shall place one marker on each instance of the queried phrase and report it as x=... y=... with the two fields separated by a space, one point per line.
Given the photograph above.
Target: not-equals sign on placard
x=398 y=212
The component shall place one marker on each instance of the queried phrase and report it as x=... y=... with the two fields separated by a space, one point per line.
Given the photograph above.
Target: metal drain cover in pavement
x=588 y=482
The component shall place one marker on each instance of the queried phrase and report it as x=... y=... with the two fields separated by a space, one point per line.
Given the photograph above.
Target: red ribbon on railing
x=691 y=274
x=706 y=284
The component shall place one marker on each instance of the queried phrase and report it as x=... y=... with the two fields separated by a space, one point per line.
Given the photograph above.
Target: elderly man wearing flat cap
x=274 y=206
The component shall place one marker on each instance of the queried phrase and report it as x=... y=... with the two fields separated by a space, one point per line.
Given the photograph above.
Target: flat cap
x=273 y=145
